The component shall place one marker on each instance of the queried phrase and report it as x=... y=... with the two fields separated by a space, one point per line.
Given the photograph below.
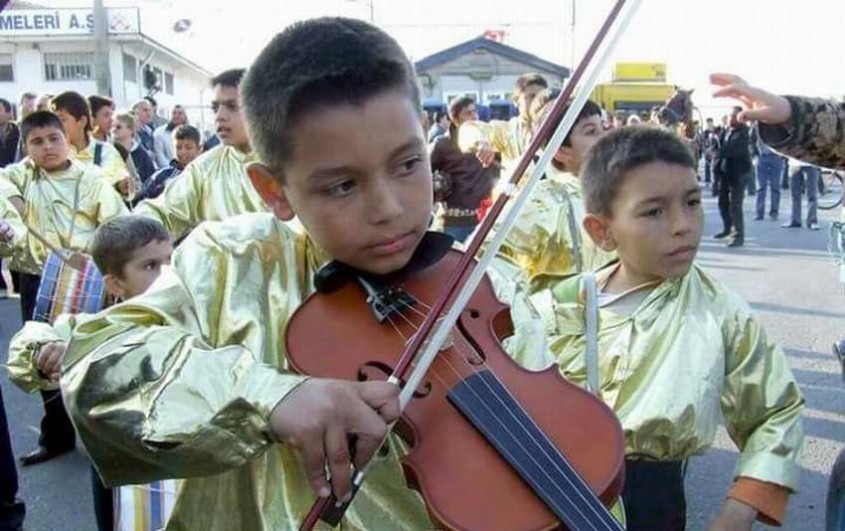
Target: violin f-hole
x=384 y=369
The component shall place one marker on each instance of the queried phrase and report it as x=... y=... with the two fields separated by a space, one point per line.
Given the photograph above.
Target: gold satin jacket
x=10 y=215
x=691 y=353
x=506 y=138
x=548 y=241
x=111 y=162
x=213 y=187
x=180 y=382
x=49 y=199
x=25 y=344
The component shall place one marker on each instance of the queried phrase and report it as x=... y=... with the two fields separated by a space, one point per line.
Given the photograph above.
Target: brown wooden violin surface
x=464 y=480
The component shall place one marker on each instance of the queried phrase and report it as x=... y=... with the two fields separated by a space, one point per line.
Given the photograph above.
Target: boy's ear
x=271 y=190
x=114 y=286
x=598 y=227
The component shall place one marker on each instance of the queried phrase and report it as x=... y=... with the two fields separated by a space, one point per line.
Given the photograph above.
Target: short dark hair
x=229 y=78
x=316 y=64
x=38 y=119
x=621 y=151
x=74 y=104
x=187 y=132
x=98 y=102
x=116 y=240
x=526 y=80
x=457 y=105
x=152 y=101
x=589 y=109
x=6 y=105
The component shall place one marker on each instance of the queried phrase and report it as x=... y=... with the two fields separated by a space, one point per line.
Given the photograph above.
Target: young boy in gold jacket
x=676 y=349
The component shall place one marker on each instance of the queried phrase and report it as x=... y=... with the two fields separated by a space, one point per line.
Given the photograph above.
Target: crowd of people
x=323 y=156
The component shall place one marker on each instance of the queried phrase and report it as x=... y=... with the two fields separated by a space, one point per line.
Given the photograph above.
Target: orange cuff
x=768 y=498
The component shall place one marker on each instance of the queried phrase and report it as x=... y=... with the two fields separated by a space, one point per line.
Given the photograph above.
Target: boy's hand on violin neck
x=735 y=516
x=335 y=424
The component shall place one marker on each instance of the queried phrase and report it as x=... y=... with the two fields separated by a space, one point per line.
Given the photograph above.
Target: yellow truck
x=635 y=88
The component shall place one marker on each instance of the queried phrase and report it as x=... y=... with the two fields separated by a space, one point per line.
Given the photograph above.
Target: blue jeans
x=811 y=185
x=769 y=170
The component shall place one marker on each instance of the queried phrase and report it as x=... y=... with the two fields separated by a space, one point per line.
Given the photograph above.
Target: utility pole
x=101 y=55
x=572 y=38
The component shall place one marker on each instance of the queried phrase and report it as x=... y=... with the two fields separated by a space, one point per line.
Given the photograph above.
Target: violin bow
x=425 y=352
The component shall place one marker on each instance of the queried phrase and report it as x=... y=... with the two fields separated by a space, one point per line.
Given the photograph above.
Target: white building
x=53 y=50
x=483 y=69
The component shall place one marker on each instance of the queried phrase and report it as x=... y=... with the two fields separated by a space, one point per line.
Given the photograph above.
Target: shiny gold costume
x=111 y=162
x=548 y=241
x=180 y=381
x=690 y=353
x=25 y=344
x=49 y=199
x=506 y=138
x=9 y=214
x=213 y=187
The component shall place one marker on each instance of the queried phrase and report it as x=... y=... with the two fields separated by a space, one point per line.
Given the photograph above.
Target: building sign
x=50 y=22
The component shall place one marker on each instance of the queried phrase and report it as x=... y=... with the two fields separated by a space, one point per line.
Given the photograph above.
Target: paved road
x=787 y=277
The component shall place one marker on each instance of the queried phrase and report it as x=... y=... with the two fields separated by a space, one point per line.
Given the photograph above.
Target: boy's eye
x=694 y=202
x=341 y=189
x=409 y=165
x=654 y=212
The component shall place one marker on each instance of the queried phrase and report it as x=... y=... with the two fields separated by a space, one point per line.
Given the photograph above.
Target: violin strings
x=545 y=453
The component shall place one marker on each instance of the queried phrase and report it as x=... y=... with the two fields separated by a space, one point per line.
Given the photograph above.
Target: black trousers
x=8 y=472
x=12 y=512
x=57 y=431
x=654 y=495
x=731 y=195
x=103 y=502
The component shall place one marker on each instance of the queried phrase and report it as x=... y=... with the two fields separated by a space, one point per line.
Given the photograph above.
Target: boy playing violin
x=676 y=348
x=191 y=380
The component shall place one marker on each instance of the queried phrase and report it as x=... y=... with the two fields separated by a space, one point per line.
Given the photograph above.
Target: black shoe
x=42 y=454
x=12 y=516
x=736 y=242
x=723 y=234
x=773 y=215
x=791 y=225
x=758 y=218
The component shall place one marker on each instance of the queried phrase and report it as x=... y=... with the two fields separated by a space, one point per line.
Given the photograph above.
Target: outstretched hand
x=322 y=418
x=759 y=104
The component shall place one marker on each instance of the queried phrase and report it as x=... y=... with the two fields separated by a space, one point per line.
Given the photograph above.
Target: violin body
x=464 y=480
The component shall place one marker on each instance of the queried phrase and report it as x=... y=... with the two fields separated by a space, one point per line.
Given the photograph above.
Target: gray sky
x=788 y=46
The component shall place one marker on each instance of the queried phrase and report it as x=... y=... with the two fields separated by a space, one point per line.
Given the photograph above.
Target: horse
x=677 y=113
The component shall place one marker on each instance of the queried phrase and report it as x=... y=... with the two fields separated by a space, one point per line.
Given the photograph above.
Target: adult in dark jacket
x=471 y=182
x=734 y=172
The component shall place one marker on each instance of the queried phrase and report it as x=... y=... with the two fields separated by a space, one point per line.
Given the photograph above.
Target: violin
x=493 y=445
